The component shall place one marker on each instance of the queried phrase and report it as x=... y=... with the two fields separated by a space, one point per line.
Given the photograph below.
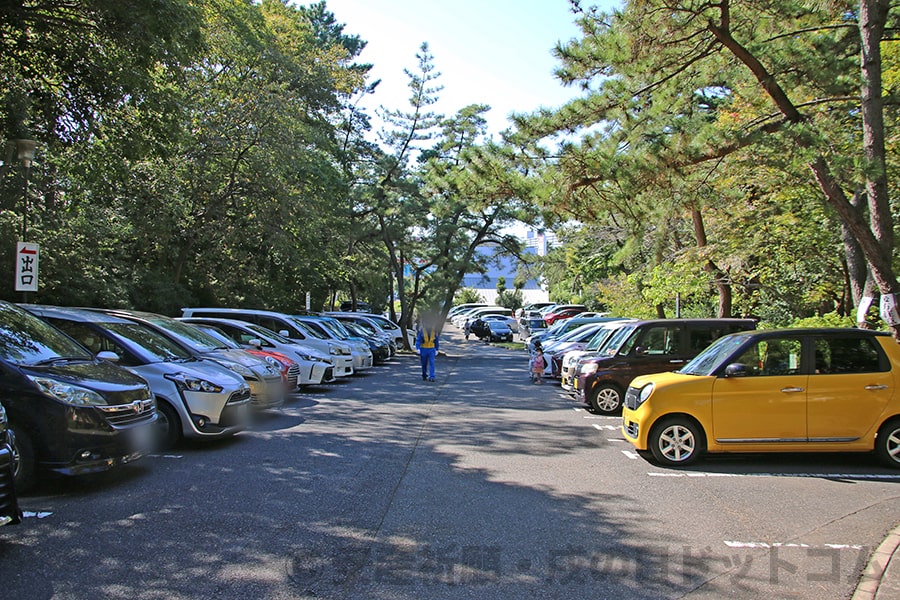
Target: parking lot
x=479 y=485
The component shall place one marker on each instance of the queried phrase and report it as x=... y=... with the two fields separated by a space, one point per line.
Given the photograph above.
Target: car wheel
x=887 y=443
x=168 y=426
x=605 y=398
x=675 y=442
x=24 y=461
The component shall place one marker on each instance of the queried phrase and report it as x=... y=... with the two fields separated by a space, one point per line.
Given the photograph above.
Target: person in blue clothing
x=428 y=343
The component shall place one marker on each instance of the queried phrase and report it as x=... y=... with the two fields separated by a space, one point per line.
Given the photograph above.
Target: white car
x=314 y=367
x=333 y=329
x=386 y=324
x=338 y=352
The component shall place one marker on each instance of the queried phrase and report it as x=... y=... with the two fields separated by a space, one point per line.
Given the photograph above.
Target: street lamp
x=25 y=153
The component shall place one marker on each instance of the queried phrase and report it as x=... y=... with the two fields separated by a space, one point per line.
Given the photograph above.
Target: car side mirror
x=640 y=351
x=284 y=333
x=737 y=370
x=108 y=356
x=256 y=343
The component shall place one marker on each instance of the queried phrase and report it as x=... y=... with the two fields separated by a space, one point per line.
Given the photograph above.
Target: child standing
x=537 y=364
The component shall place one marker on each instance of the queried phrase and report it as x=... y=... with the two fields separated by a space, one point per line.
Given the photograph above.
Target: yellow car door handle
x=789 y=390
x=876 y=387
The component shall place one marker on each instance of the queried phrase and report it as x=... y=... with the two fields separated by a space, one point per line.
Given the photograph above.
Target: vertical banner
x=27 y=255
x=889 y=313
x=865 y=303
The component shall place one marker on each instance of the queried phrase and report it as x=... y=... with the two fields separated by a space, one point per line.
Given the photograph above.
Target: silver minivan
x=195 y=398
x=265 y=381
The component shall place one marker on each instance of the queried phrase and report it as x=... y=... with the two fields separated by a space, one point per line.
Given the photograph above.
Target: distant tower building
x=540 y=240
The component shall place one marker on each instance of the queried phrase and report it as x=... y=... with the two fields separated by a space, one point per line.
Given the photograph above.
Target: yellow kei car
x=788 y=390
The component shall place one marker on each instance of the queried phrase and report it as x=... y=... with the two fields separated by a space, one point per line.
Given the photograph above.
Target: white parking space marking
x=732 y=544
x=630 y=454
x=28 y=514
x=166 y=456
x=605 y=427
x=785 y=474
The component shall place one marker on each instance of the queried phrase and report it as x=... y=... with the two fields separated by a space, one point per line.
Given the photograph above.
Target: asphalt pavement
x=478 y=485
x=881 y=578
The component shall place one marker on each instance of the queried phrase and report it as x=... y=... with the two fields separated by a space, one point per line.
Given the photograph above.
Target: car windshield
x=267 y=333
x=363 y=326
x=617 y=340
x=382 y=322
x=556 y=329
x=600 y=338
x=220 y=335
x=336 y=327
x=578 y=334
x=357 y=329
x=200 y=341
x=153 y=342
x=709 y=361
x=309 y=330
x=28 y=340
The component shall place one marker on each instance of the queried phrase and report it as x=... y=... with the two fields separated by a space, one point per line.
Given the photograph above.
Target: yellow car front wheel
x=676 y=442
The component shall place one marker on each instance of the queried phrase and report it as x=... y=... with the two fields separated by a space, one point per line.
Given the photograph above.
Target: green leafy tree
x=686 y=85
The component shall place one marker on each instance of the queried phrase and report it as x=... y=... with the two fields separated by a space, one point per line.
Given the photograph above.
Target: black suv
x=641 y=348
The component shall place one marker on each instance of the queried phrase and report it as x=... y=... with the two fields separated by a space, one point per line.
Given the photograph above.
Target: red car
x=563 y=311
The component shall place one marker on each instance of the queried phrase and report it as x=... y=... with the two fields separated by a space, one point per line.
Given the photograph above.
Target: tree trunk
x=719 y=277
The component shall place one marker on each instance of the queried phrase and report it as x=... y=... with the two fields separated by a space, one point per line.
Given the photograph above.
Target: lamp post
x=25 y=154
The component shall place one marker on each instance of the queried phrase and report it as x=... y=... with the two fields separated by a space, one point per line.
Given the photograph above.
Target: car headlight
x=240 y=369
x=69 y=393
x=193 y=384
x=589 y=368
x=270 y=370
x=645 y=393
x=275 y=364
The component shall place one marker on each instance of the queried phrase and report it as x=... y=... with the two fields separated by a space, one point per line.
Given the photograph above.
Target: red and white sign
x=27 y=255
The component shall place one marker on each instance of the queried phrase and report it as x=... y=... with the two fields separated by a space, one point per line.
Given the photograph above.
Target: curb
x=873 y=576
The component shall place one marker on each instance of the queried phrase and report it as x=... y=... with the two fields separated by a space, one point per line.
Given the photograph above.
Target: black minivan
x=9 y=506
x=69 y=413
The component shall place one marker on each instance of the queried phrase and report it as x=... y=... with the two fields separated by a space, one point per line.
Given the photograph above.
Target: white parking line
x=165 y=455
x=605 y=427
x=863 y=476
x=732 y=544
x=28 y=514
x=630 y=454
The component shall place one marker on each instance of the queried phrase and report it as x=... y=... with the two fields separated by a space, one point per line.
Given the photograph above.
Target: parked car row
x=686 y=387
x=86 y=389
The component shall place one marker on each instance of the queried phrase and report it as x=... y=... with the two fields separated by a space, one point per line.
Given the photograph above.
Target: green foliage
x=466 y=296
x=511 y=299
x=826 y=320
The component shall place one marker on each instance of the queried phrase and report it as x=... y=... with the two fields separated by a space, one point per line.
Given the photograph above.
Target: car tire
x=168 y=426
x=676 y=442
x=24 y=460
x=605 y=399
x=887 y=444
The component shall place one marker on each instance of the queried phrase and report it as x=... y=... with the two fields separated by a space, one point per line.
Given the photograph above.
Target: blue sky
x=495 y=52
